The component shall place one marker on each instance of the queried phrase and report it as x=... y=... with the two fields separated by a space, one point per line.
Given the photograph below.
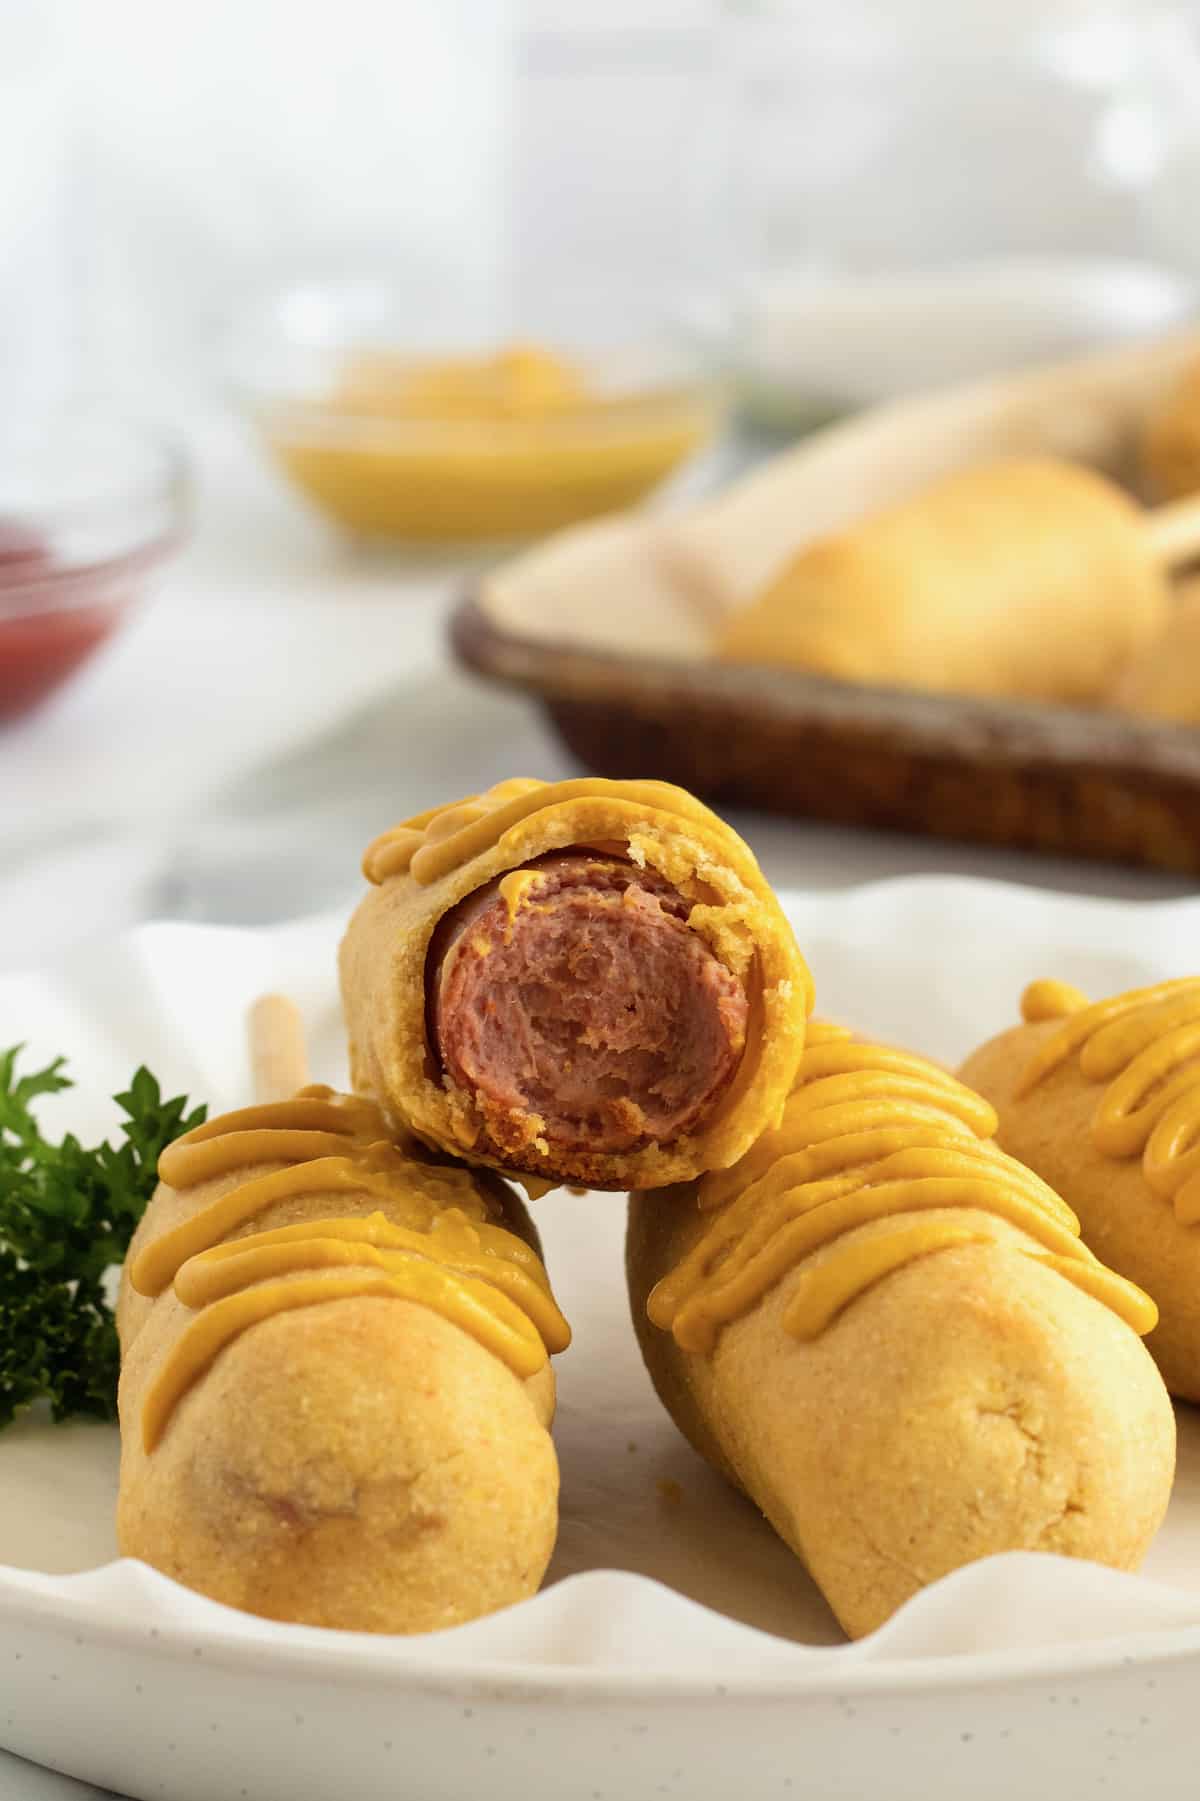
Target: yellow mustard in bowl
x=506 y=445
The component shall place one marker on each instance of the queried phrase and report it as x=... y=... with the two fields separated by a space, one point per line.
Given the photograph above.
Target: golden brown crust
x=971 y=1403
x=1129 y=1227
x=363 y=1463
x=1027 y=578
x=383 y=974
x=971 y=1399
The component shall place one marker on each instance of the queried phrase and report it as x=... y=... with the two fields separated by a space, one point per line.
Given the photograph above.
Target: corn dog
x=1031 y=578
x=583 y=981
x=1104 y=1102
x=888 y=1333
x=335 y=1395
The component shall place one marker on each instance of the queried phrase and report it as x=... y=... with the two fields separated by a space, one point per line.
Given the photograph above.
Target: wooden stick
x=278 y=1060
x=1173 y=533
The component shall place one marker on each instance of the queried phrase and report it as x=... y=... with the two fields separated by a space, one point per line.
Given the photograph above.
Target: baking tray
x=559 y=624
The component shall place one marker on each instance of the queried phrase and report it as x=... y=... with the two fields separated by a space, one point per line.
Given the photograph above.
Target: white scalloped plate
x=677 y=1649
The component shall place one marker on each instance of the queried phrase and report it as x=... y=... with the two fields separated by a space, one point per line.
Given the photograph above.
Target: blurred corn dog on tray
x=973 y=615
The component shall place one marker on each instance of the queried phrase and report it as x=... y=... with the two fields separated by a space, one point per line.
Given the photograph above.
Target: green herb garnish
x=67 y=1215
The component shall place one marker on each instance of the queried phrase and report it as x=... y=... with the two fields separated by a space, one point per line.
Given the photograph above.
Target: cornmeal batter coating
x=1030 y=578
x=1103 y=1101
x=889 y=1334
x=335 y=1396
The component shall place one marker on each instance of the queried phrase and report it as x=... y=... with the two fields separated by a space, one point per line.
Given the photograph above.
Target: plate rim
x=325 y=1654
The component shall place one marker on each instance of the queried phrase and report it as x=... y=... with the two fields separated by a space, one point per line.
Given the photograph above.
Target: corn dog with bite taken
x=889 y=1334
x=335 y=1394
x=585 y=982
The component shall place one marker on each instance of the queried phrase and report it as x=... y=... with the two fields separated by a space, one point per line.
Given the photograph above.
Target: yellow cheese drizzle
x=1146 y=1046
x=444 y=1253
x=869 y=1134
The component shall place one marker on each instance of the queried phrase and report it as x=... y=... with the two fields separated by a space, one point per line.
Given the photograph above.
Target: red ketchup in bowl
x=51 y=618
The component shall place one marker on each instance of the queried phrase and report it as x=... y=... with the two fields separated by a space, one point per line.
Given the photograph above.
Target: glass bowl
x=89 y=507
x=450 y=444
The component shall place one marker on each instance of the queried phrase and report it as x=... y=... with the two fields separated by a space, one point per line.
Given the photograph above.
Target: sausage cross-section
x=589 y=1006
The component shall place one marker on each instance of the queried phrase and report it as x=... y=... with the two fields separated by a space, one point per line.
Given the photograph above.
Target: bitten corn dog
x=1030 y=578
x=335 y=1394
x=889 y=1334
x=583 y=981
x=1104 y=1101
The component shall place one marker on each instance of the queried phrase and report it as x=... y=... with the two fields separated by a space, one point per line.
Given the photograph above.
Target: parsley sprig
x=67 y=1215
